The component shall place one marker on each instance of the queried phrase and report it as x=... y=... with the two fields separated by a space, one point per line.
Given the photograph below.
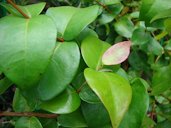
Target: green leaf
x=5 y=83
x=124 y=27
x=30 y=10
x=66 y=102
x=138 y=107
x=73 y=120
x=92 y=50
x=28 y=122
x=61 y=70
x=26 y=46
x=113 y=90
x=110 y=2
x=48 y=123
x=69 y=17
x=117 y=53
x=20 y=103
x=140 y=37
x=95 y=115
x=150 y=8
x=162 y=15
x=161 y=80
x=167 y=25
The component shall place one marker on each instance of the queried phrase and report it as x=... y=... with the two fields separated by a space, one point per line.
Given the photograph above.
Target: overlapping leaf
x=26 y=46
x=61 y=70
x=113 y=90
x=70 y=21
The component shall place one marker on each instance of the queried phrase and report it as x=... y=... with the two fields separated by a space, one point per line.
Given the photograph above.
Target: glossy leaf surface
x=117 y=53
x=61 y=70
x=138 y=107
x=92 y=50
x=30 y=10
x=113 y=90
x=24 y=60
x=66 y=102
x=28 y=122
x=67 y=26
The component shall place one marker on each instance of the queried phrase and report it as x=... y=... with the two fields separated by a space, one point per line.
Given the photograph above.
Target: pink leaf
x=117 y=53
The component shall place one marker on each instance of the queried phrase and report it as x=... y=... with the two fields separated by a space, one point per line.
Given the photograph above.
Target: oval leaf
x=28 y=122
x=29 y=10
x=61 y=70
x=66 y=102
x=92 y=50
x=117 y=53
x=113 y=90
x=68 y=25
x=26 y=54
x=138 y=107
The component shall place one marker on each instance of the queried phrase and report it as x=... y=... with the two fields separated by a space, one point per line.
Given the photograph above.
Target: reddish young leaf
x=117 y=53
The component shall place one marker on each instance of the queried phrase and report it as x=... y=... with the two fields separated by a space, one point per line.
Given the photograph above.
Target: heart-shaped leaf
x=61 y=70
x=113 y=90
x=138 y=107
x=67 y=102
x=26 y=47
x=92 y=50
x=28 y=122
x=29 y=10
x=5 y=83
x=67 y=18
x=117 y=53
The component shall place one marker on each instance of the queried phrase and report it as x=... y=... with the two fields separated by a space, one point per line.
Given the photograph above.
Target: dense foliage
x=87 y=63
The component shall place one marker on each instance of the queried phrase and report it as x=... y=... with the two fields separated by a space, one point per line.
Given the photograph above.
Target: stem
x=18 y=9
x=60 y=39
x=79 y=90
x=28 y=114
x=104 y=6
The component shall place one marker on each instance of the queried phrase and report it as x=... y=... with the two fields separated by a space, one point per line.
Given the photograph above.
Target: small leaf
x=167 y=25
x=113 y=90
x=72 y=120
x=5 y=83
x=28 y=122
x=68 y=25
x=30 y=10
x=67 y=102
x=20 y=103
x=92 y=50
x=117 y=53
x=61 y=70
x=95 y=115
x=161 y=80
x=26 y=54
x=137 y=110
x=124 y=27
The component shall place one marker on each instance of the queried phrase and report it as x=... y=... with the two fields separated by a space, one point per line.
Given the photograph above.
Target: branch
x=28 y=114
x=104 y=6
x=18 y=9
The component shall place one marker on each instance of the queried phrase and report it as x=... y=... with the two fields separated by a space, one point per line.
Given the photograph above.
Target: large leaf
x=71 y=21
x=29 y=10
x=28 y=122
x=92 y=50
x=5 y=83
x=95 y=115
x=161 y=80
x=113 y=90
x=150 y=8
x=20 y=103
x=138 y=107
x=26 y=46
x=117 y=53
x=61 y=70
x=66 y=102
x=73 y=120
